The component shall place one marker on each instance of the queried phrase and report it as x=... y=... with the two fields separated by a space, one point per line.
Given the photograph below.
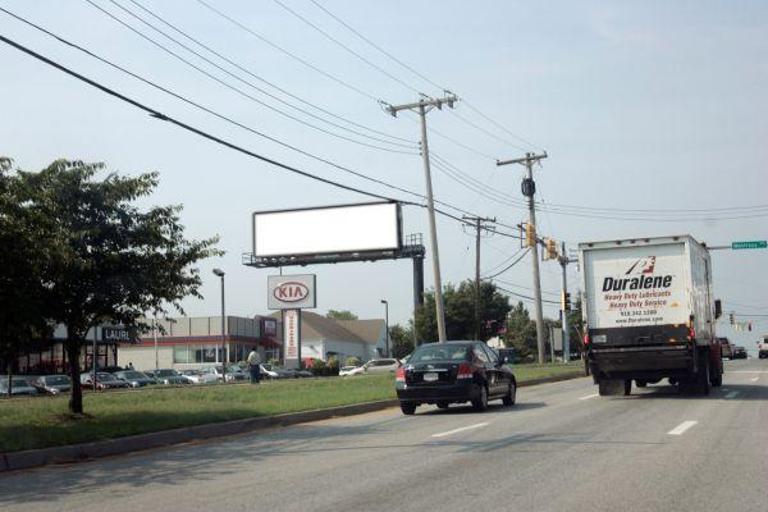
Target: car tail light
x=400 y=374
x=465 y=371
x=586 y=339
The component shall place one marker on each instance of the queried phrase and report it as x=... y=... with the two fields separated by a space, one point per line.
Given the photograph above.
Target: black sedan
x=134 y=378
x=454 y=372
x=739 y=353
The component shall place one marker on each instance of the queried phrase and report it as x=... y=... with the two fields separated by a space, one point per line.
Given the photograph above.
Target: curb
x=80 y=452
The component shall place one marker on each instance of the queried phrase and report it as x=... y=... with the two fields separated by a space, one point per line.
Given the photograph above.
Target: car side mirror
x=718 y=308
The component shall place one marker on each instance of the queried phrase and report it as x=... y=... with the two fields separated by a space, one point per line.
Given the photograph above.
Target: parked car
x=135 y=378
x=53 y=384
x=238 y=373
x=726 y=348
x=167 y=376
x=454 y=372
x=104 y=380
x=268 y=372
x=199 y=377
x=376 y=366
x=347 y=370
x=19 y=386
x=739 y=352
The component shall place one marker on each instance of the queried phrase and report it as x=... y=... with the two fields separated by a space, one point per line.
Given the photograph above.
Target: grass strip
x=40 y=422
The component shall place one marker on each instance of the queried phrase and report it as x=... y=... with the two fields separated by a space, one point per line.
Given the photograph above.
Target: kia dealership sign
x=292 y=292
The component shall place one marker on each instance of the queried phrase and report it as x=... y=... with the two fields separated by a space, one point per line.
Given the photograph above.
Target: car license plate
x=430 y=377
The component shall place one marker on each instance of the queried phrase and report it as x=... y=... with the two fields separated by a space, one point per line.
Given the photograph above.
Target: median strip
x=681 y=428
x=462 y=429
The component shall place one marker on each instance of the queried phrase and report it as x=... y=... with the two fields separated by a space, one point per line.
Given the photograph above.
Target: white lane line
x=589 y=396
x=462 y=429
x=732 y=394
x=681 y=428
x=754 y=379
x=747 y=371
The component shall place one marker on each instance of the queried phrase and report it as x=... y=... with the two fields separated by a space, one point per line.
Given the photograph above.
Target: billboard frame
x=341 y=254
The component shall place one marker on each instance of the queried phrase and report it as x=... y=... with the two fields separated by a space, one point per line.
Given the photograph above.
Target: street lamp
x=386 y=323
x=220 y=273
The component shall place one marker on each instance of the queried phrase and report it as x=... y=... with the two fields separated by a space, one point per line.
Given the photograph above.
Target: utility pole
x=478 y=222
x=529 y=189
x=421 y=107
x=565 y=306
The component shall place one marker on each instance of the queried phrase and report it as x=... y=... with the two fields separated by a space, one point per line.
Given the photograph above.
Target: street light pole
x=386 y=324
x=220 y=273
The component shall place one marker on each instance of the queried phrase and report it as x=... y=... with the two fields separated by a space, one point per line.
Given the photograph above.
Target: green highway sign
x=755 y=244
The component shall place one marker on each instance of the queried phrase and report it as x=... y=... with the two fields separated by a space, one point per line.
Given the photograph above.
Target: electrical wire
x=348 y=49
x=515 y=262
x=293 y=56
x=263 y=80
x=236 y=89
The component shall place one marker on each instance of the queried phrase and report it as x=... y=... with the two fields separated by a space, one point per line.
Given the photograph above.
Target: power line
x=382 y=50
x=417 y=73
x=348 y=49
x=525 y=297
x=236 y=89
x=515 y=262
x=295 y=57
x=163 y=117
x=263 y=80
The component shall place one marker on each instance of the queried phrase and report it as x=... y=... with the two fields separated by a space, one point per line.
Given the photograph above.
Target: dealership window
x=205 y=354
x=181 y=354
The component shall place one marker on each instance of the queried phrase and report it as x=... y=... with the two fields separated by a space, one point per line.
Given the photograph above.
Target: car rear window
x=440 y=353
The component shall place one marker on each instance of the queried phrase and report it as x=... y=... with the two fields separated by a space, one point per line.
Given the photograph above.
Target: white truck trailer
x=649 y=314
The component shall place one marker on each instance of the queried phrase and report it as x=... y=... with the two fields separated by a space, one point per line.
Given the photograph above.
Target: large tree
x=343 y=314
x=459 y=302
x=24 y=256
x=113 y=261
x=402 y=340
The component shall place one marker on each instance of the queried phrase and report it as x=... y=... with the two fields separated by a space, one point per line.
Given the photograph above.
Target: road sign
x=755 y=244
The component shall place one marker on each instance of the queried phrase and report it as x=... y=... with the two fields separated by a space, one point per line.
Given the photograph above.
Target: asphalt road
x=560 y=448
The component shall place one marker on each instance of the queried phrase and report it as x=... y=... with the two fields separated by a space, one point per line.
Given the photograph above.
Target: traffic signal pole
x=565 y=306
x=529 y=189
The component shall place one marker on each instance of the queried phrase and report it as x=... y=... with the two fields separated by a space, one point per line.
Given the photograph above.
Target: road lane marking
x=593 y=395
x=681 y=428
x=732 y=394
x=462 y=429
x=754 y=379
x=747 y=371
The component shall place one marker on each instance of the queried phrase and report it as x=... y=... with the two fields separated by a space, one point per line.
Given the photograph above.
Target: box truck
x=649 y=314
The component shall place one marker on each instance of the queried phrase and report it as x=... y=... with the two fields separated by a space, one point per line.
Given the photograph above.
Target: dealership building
x=194 y=342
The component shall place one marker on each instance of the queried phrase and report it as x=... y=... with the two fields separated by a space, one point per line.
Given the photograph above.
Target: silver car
x=54 y=384
x=19 y=386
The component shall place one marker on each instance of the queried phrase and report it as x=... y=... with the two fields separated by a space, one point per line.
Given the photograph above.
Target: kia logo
x=291 y=291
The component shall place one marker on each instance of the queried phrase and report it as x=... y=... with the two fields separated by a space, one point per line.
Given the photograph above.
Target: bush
x=353 y=361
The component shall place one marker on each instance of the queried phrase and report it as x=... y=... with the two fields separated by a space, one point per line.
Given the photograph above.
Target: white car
x=268 y=372
x=349 y=370
x=199 y=376
x=375 y=367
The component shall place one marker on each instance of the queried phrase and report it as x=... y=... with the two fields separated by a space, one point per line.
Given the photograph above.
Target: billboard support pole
x=418 y=293
x=420 y=107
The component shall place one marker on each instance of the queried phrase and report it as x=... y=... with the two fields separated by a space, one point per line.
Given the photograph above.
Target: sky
x=651 y=106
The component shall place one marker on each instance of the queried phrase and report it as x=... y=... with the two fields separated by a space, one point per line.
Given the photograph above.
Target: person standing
x=254 y=362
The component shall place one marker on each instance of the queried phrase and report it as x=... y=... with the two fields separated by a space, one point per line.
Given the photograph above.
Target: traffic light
x=551 y=249
x=565 y=301
x=530 y=235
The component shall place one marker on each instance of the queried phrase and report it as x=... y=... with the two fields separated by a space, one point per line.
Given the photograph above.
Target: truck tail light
x=691 y=333
x=465 y=371
x=400 y=374
x=586 y=339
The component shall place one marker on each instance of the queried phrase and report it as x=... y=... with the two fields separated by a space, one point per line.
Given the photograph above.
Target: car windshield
x=57 y=380
x=167 y=373
x=19 y=381
x=440 y=353
x=105 y=376
x=133 y=375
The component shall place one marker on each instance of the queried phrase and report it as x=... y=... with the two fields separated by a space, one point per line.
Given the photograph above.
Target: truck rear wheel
x=627 y=387
x=702 y=377
x=610 y=387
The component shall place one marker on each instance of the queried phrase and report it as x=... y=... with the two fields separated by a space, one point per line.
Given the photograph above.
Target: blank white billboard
x=337 y=229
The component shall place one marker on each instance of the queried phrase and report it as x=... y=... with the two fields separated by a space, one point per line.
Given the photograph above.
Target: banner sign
x=292 y=292
x=292 y=338
x=117 y=335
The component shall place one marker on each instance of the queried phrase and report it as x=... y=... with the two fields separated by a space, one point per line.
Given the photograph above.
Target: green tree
x=459 y=302
x=24 y=239
x=401 y=339
x=521 y=332
x=343 y=314
x=113 y=261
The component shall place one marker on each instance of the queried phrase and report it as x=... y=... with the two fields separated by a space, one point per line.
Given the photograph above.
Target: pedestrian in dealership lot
x=254 y=361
